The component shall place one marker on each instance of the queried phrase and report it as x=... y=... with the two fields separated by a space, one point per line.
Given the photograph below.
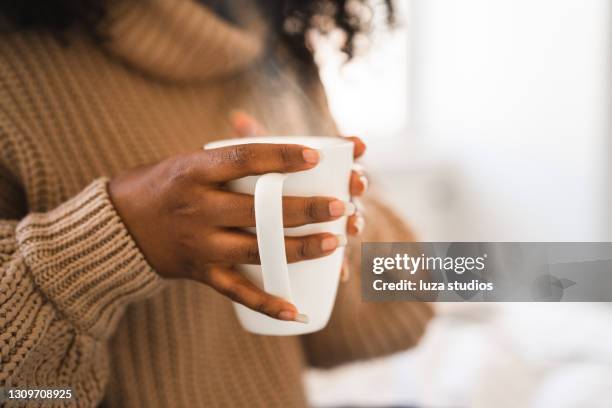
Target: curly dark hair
x=291 y=19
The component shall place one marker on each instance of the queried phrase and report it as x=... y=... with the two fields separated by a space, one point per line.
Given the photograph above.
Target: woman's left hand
x=245 y=125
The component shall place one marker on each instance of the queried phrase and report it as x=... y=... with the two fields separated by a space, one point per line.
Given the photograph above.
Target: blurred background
x=486 y=120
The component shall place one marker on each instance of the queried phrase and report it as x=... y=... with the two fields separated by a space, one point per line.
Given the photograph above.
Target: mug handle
x=271 y=234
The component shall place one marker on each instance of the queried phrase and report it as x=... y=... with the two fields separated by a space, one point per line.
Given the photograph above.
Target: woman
x=99 y=248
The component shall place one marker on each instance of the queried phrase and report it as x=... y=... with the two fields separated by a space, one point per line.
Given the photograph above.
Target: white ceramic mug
x=310 y=285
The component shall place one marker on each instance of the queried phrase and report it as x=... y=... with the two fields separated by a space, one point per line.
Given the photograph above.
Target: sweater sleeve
x=66 y=275
x=361 y=330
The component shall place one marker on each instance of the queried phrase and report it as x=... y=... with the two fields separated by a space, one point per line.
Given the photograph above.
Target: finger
x=359 y=146
x=358 y=183
x=228 y=209
x=240 y=247
x=232 y=284
x=246 y=125
x=309 y=210
x=232 y=162
x=355 y=225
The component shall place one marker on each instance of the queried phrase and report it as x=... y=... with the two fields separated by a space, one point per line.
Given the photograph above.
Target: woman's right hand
x=187 y=224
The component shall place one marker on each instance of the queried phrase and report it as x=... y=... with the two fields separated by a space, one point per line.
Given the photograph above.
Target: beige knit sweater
x=79 y=305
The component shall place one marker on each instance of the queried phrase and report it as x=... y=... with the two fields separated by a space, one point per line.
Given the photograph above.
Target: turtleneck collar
x=181 y=40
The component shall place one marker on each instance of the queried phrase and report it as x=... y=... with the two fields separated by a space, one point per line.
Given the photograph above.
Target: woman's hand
x=245 y=125
x=187 y=224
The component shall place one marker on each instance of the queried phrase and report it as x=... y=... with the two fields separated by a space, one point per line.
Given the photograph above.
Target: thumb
x=246 y=125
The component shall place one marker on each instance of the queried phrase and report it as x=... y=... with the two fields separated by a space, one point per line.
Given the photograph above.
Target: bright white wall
x=516 y=94
x=369 y=95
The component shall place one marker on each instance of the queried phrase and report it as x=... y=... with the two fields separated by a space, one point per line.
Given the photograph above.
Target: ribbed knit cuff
x=84 y=260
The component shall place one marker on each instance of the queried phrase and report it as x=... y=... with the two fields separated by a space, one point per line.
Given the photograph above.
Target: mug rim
x=330 y=141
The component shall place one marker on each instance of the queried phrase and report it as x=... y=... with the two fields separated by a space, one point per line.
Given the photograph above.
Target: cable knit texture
x=79 y=305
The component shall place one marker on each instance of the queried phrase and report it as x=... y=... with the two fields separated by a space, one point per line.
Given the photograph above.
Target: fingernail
x=339 y=208
x=301 y=318
x=358 y=167
x=287 y=315
x=349 y=208
x=342 y=241
x=310 y=156
x=330 y=243
x=364 y=182
x=359 y=225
